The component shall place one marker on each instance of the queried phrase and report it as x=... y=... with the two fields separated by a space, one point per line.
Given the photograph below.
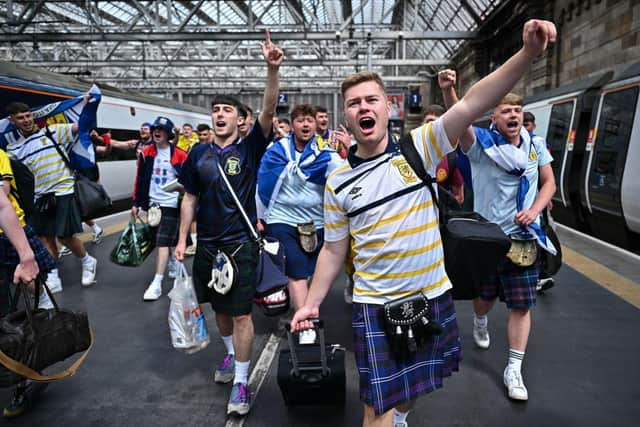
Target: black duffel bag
x=34 y=339
x=91 y=197
x=473 y=246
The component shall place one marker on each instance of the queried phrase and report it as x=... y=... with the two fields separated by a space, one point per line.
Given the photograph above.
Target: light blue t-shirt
x=495 y=191
x=298 y=201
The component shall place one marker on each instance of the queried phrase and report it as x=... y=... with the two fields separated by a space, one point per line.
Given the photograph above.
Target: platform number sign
x=415 y=99
x=283 y=99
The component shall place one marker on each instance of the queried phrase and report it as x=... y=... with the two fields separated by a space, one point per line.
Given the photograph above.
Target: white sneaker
x=308 y=336
x=401 y=424
x=54 y=283
x=89 y=271
x=97 y=237
x=153 y=292
x=544 y=284
x=515 y=384
x=45 y=302
x=63 y=251
x=190 y=250
x=481 y=336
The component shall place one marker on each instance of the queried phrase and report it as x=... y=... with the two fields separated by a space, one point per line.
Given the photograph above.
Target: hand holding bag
x=33 y=339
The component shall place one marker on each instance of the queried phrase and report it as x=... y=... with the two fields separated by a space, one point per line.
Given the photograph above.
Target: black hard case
x=312 y=374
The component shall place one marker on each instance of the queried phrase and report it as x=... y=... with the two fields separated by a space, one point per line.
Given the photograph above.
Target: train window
x=559 y=125
x=610 y=149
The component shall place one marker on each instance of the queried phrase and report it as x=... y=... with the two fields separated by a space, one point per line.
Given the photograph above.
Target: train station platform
x=581 y=366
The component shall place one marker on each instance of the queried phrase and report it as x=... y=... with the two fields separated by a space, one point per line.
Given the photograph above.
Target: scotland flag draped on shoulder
x=279 y=162
x=82 y=153
x=513 y=160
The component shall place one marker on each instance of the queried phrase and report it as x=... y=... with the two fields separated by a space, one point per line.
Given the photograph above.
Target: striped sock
x=515 y=359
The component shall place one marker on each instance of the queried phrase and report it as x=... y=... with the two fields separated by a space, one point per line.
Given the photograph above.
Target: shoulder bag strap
x=49 y=135
x=252 y=229
x=27 y=372
x=413 y=158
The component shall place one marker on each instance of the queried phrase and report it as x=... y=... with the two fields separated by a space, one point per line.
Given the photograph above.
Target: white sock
x=87 y=259
x=515 y=359
x=242 y=372
x=158 y=278
x=228 y=343
x=399 y=417
x=194 y=238
x=480 y=321
x=96 y=228
x=54 y=273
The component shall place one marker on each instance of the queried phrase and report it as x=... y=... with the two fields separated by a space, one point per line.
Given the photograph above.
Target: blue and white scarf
x=514 y=160
x=82 y=155
x=279 y=161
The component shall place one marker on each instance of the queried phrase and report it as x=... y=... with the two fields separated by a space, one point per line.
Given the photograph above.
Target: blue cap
x=163 y=123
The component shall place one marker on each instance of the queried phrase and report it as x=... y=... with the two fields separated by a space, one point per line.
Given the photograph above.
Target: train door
x=608 y=147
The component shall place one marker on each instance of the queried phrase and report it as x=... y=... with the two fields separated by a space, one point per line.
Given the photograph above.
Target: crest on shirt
x=533 y=155
x=408 y=176
x=232 y=166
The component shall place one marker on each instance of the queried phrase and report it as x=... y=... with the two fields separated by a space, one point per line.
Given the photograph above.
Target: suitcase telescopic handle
x=319 y=325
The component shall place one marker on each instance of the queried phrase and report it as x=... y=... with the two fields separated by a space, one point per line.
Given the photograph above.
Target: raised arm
x=447 y=82
x=486 y=93
x=274 y=56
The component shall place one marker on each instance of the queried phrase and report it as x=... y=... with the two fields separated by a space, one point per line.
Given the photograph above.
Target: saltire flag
x=82 y=153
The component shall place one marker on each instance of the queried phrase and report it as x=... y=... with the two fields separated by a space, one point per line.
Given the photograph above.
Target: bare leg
x=518 y=328
x=76 y=246
x=482 y=307
x=242 y=337
x=371 y=420
x=49 y=242
x=162 y=259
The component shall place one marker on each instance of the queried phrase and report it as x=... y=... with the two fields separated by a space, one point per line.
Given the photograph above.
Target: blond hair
x=511 y=99
x=361 y=77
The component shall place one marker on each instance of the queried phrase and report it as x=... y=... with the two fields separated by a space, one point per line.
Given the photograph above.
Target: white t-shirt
x=162 y=173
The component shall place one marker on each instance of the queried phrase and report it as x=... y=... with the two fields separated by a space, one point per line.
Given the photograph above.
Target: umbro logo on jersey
x=355 y=192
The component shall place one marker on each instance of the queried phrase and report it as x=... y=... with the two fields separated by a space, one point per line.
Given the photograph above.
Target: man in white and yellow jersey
x=377 y=200
x=56 y=213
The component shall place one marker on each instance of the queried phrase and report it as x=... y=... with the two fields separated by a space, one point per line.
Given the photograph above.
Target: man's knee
x=242 y=320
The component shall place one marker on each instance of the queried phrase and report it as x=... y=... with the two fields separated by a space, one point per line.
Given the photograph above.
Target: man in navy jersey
x=221 y=226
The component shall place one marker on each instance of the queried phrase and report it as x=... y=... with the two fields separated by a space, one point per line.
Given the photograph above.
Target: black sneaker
x=23 y=398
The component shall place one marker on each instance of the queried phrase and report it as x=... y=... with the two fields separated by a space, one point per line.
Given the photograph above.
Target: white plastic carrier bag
x=187 y=324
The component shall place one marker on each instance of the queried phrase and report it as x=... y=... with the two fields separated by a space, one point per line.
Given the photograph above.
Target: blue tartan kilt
x=386 y=382
x=9 y=256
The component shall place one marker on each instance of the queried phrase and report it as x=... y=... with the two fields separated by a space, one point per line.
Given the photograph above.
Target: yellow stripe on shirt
x=404 y=254
x=434 y=142
x=403 y=275
x=394 y=218
x=335 y=225
x=403 y=233
x=425 y=147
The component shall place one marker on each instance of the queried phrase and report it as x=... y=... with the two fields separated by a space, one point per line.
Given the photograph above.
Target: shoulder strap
x=413 y=158
x=252 y=229
x=49 y=135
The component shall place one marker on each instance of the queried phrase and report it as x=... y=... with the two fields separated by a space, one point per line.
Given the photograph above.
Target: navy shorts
x=515 y=286
x=299 y=264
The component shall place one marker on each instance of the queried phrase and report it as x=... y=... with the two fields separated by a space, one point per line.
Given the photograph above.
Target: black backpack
x=25 y=184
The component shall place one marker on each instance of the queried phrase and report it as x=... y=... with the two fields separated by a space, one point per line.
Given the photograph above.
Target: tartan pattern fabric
x=9 y=256
x=167 y=230
x=386 y=382
x=239 y=300
x=515 y=286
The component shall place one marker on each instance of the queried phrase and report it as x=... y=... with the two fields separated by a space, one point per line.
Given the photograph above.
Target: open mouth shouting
x=367 y=125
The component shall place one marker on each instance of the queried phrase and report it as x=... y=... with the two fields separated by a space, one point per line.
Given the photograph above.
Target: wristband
x=107 y=139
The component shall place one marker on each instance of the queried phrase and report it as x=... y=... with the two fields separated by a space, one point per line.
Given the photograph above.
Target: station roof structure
x=157 y=46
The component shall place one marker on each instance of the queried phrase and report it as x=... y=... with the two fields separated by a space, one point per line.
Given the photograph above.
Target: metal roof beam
x=239 y=63
x=233 y=36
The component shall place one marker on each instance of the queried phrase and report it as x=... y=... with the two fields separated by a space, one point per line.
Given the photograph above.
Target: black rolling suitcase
x=312 y=374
